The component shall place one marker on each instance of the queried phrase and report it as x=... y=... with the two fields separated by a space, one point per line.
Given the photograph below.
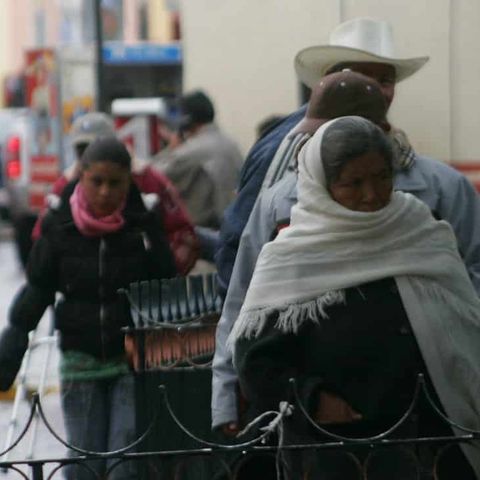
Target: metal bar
x=19 y=396
x=41 y=385
x=97 y=15
x=37 y=470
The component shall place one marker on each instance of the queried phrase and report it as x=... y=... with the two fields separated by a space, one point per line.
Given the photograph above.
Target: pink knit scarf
x=87 y=223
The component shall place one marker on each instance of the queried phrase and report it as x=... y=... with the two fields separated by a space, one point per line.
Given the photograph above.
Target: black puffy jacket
x=87 y=273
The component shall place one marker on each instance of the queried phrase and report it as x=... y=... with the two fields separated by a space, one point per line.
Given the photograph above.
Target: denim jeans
x=99 y=416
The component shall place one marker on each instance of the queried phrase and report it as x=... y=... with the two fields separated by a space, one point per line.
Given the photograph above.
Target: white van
x=13 y=134
x=15 y=147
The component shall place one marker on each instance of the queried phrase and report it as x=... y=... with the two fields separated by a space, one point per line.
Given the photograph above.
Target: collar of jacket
x=134 y=211
x=410 y=180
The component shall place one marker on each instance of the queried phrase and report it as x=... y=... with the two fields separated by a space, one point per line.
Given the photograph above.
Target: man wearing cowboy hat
x=448 y=194
x=366 y=46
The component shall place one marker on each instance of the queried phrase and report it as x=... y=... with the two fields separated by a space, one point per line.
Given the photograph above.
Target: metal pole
x=97 y=15
x=50 y=343
x=20 y=395
x=37 y=471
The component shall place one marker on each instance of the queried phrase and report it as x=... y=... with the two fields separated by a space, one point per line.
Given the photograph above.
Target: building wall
x=159 y=21
x=19 y=33
x=16 y=34
x=241 y=52
x=19 y=30
x=465 y=80
x=131 y=19
x=4 y=60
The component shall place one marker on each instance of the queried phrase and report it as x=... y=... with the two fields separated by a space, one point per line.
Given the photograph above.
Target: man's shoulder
x=429 y=164
x=280 y=197
x=436 y=183
x=263 y=151
x=284 y=188
x=277 y=134
x=438 y=171
x=225 y=145
x=150 y=180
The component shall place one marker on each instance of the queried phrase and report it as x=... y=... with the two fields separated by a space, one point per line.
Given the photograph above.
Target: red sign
x=42 y=99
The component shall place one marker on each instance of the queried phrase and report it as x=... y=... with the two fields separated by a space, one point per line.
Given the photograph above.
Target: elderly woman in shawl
x=361 y=293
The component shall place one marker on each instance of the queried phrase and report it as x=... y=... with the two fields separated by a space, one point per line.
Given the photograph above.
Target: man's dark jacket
x=253 y=173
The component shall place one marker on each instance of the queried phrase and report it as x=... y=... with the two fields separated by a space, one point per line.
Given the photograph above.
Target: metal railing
x=361 y=453
x=179 y=315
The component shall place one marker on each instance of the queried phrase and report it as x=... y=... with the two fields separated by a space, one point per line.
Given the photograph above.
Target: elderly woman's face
x=364 y=184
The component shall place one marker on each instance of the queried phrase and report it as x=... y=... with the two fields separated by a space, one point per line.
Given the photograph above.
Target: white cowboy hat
x=357 y=40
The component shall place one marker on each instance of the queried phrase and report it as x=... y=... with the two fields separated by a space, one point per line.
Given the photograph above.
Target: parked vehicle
x=16 y=174
x=10 y=119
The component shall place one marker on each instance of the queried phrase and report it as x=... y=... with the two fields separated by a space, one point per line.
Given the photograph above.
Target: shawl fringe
x=291 y=316
x=433 y=290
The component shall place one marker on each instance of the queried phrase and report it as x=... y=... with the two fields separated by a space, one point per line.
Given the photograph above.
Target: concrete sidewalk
x=44 y=445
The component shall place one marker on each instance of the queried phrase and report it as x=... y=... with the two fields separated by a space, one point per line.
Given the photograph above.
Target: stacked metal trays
x=174 y=322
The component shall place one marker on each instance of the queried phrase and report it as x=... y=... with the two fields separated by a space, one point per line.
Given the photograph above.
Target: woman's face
x=105 y=185
x=365 y=183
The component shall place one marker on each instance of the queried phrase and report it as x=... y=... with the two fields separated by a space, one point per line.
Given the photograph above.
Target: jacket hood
x=134 y=211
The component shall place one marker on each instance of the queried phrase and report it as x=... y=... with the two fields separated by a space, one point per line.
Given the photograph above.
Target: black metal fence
x=173 y=338
x=360 y=456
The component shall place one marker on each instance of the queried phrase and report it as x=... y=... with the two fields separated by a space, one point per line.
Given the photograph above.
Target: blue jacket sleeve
x=236 y=215
x=257 y=232
x=273 y=204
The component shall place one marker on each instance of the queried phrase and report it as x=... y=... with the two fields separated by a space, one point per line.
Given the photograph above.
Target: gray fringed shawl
x=328 y=248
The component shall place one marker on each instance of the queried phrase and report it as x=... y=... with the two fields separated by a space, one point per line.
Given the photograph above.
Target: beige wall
x=422 y=103
x=4 y=59
x=20 y=32
x=242 y=53
x=465 y=78
x=15 y=35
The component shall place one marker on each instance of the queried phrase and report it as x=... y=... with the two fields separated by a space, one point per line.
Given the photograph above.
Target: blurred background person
x=177 y=223
x=203 y=163
x=100 y=237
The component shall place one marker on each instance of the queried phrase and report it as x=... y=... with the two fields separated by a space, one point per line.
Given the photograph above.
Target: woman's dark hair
x=106 y=149
x=349 y=138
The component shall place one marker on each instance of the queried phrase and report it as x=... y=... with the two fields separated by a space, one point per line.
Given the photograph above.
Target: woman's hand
x=333 y=409
x=172 y=139
x=131 y=351
x=230 y=429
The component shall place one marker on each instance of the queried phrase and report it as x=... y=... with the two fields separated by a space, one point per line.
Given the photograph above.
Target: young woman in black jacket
x=99 y=237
